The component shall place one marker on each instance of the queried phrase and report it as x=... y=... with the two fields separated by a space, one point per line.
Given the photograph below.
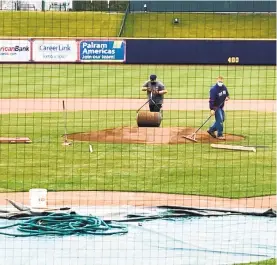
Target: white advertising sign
x=55 y=51
x=15 y=51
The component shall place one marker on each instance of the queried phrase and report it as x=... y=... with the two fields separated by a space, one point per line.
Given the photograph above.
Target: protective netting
x=142 y=103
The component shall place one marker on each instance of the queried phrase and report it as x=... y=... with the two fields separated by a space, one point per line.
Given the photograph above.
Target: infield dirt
x=148 y=135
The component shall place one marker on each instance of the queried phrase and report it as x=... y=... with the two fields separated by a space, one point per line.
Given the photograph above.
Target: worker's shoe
x=211 y=133
x=221 y=138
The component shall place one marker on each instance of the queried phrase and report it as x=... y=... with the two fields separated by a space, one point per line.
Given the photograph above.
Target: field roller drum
x=149 y=119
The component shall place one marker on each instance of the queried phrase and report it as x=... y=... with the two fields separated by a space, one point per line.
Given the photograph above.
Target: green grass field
x=59 y=24
x=102 y=81
x=192 y=25
x=183 y=169
x=266 y=262
x=154 y=25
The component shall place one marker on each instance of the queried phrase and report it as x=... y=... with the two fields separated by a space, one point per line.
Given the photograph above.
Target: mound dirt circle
x=149 y=135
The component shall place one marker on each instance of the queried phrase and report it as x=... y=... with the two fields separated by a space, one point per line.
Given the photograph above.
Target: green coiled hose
x=64 y=224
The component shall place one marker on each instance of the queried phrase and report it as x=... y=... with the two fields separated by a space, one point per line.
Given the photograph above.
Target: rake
x=192 y=137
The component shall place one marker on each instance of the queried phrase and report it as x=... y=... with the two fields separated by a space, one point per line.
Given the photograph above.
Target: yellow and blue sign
x=102 y=51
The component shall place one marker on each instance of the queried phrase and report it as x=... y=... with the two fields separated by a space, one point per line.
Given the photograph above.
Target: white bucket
x=38 y=198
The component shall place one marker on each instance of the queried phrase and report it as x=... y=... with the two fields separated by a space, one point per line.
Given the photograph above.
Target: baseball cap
x=153 y=77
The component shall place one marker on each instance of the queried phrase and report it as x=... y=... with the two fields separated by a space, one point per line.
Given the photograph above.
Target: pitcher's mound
x=172 y=135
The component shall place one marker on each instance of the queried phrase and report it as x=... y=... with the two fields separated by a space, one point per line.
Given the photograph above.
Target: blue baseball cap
x=153 y=77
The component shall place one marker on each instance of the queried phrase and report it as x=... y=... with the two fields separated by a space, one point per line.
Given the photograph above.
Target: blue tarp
x=225 y=239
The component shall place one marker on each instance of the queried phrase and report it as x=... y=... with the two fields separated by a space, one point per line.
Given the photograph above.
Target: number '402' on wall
x=233 y=60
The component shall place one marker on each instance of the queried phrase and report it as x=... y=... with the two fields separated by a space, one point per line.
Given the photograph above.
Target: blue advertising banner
x=102 y=51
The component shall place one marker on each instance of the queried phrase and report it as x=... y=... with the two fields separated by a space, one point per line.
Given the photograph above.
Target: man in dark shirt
x=155 y=92
x=218 y=95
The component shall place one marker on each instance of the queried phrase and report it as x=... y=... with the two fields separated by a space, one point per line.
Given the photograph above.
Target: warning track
x=88 y=198
x=55 y=105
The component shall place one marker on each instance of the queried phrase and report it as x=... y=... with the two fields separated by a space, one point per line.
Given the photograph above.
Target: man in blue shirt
x=218 y=95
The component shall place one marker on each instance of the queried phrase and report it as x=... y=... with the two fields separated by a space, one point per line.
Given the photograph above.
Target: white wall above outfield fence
x=32 y=5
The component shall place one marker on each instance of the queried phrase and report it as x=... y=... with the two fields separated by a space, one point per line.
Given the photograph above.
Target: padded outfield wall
x=139 y=51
